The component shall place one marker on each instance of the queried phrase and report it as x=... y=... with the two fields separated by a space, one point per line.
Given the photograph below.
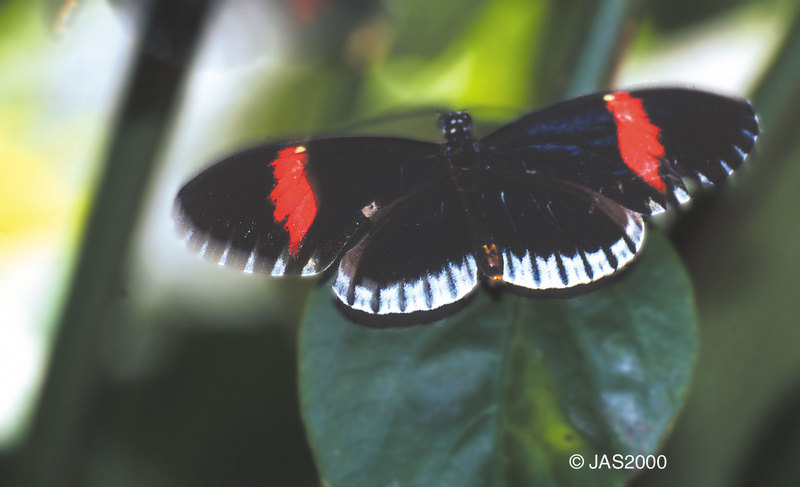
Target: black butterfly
x=551 y=202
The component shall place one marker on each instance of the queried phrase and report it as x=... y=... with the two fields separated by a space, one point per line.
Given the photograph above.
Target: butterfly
x=554 y=202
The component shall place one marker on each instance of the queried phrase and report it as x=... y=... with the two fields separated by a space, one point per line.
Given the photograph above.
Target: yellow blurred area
x=55 y=103
x=35 y=202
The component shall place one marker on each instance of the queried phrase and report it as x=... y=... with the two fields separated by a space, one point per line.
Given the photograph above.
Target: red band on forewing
x=292 y=196
x=638 y=138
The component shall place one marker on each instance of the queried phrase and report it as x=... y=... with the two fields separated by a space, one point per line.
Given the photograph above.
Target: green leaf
x=502 y=393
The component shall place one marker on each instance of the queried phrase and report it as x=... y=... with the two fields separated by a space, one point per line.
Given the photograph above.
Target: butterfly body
x=553 y=202
x=461 y=151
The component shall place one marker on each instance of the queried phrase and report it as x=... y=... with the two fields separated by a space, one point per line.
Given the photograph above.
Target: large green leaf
x=504 y=392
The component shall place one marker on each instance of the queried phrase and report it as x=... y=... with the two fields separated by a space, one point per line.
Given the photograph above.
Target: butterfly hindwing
x=633 y=147
x=292 y=208
x=556 y=236
x=416 y=258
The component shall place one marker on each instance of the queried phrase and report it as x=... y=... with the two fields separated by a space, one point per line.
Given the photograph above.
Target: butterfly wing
x=632 y=147
x=417 y=257
x=562 y=193
x=292 y=208
x=558 y=236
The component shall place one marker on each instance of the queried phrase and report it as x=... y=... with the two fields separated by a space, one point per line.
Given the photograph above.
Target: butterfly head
x=457 y=128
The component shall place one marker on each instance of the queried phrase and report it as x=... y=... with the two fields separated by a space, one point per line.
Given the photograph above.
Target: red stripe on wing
x=638 y=138
x=292 y=196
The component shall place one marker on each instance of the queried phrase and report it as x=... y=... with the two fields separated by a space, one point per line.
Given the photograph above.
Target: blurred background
x=126 y=360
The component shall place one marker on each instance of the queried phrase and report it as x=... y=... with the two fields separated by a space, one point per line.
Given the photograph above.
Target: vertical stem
x=596 y=61
x=52 y=454
x=776 y=97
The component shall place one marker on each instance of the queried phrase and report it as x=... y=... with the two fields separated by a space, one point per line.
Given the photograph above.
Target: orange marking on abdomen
x=494 y=261
x=638 y=138
x=292 y=196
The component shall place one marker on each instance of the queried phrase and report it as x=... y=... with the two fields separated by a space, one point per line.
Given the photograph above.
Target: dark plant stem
x=52 y=454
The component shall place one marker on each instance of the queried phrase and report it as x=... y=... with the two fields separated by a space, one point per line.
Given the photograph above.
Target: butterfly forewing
x=705 y=136
x=632 y=147
x=292 y=208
